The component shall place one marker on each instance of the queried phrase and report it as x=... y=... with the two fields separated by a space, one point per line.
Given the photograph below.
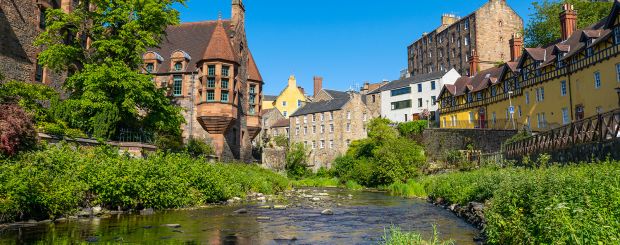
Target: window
x=433 y=86
x=618 y=72
x=305 y=119
x=314 y=129
x=38 y=75
x=365 y=117
x=527 y=98
x=225 y=97
x=313 y=117
x=617 y=34
x=433 y=100
x=494 y=118
x=529 y=122
x=313 y=144
x=285 y=113
x=178 y=66
x=331 y=144
x=375 y=99
x=322 y=129
x=322 y=144
x=225 y=71
x=479 y=96
x=597 y=79
x=331 y=115
x=331 y=128
x=210 y=95
x=493 y=91
x=322 y=117
x=400 y=91
x=541 y=121
x=540 y=94
x=419 y=87
x=305 y=130
x=466 y=41
x=348 y=142
x=150 y=67
x=348 y=127
x=348 y=115
x=471 y=117
x=470 y=98
x=211 y=70
x=406 y=118
x=420 y=102
x=296 y=130
x=563 y=88
x=520 y=112
x=466 y=24
x=225 y=85
x=401 y=104
x=177 y=85
x=565 y=116
x=444 y=122
x=283 y=103
x=296 y=120
x=210 y=82
x=298 y=103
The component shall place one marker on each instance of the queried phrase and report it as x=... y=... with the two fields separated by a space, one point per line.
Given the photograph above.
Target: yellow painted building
x=549 y=86
x=289 y=100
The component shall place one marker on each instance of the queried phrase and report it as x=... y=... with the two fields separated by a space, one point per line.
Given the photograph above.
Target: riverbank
x=62 y=181
x=575 y=204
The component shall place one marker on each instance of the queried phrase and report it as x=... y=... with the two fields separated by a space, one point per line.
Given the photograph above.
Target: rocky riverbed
x=299 y=216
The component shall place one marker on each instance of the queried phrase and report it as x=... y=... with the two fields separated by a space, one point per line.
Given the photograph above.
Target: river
x=359 y=218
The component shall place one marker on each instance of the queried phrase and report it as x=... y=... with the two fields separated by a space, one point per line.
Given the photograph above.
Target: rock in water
x=263 y=218
x=241 y=211
x=172 y=225
x=315 y=199
x=327 y=212
x=279 y=207
x=148 y=211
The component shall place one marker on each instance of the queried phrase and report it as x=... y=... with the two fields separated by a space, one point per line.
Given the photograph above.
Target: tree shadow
x=10 y=45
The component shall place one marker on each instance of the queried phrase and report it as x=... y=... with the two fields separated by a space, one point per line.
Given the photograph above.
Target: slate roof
x=282 y=123
x=270 y=97
x=413 y=80
x=340 y=99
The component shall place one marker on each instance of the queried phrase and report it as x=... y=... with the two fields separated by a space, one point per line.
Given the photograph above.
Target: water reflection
x=357 y=220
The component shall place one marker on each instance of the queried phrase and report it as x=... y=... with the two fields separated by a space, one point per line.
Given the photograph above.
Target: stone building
x=329 y=124
x=371 y=94
x=209 y=70
x=21 y=21
x=486 y=30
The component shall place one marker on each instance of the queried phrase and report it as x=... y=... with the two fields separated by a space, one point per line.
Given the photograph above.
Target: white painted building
x=406 y=99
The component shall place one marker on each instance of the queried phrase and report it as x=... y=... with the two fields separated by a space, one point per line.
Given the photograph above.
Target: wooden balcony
x=216 y=117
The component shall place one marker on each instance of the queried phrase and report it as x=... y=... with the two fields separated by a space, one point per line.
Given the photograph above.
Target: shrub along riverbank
x=578 y=204
x=58 y=180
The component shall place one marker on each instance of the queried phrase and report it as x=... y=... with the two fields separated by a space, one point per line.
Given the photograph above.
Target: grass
x=395 y=236
x=411 y=189
x=317 y=182
x=574 y=204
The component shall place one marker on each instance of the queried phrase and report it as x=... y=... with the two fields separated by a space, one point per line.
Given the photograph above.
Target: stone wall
x=274 y=158
x=135 y=149
x=439 y=141
x=597 y=151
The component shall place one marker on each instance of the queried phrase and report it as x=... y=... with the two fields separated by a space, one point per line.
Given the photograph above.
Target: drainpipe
x=191 y=111
x=570 y=93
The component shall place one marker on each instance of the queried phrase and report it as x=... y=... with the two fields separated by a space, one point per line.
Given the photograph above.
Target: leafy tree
x=198 y=148
x=34 y=98
x=101 y=45
x=297 y=161
x=544 y=27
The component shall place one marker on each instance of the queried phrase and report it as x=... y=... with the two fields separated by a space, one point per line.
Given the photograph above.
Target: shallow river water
x=359 y=218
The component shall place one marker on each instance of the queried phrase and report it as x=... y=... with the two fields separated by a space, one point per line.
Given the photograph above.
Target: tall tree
x=101 y=44
x=544 y=26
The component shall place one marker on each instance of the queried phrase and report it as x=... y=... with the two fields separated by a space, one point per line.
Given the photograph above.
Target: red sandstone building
x=209 y=71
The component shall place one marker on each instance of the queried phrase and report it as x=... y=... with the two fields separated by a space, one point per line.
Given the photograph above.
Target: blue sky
x=345 y=41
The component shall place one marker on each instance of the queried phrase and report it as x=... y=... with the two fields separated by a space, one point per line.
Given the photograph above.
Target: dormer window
x=150 y=67
x=479 y=96
x=225 y=71
x=178 y=66
x=469 y=98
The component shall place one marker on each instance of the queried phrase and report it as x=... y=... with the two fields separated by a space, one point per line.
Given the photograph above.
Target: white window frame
x=565 y=116
x=563 y=88
x=597 y=79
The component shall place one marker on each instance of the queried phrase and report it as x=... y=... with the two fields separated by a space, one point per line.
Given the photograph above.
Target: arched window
x=178 y=66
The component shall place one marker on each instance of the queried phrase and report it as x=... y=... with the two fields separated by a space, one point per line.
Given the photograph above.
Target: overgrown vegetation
x=395 y=236
x=297 y=161
x=199 y=148
x=59 y=179
x=17 y=131
x=383 y=158
x=410 y=189
x=576 y=204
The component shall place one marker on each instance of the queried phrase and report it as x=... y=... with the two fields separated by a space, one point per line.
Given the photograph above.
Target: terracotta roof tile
x=219 y=47
x=253 y=69
x=281 y=123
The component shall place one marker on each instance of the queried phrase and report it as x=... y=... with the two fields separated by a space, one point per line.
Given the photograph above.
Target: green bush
x=198 y=148
x=297 y=161
x=395 y=236
x=412 y=128
x=280 y=140
x=552 y=205
x=317 y=182
x=60 y=179
x=410 y=189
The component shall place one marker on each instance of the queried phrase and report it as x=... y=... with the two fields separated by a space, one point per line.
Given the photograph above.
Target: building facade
x=547 y=87
x=208 y=69
x=371 y=94
x=291 y=98
x=415 y=97
x=329 y=124
x=486 y=30
x=21 y=21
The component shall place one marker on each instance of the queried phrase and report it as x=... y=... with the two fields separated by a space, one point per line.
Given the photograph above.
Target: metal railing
x=597 y=129
x=139 y=135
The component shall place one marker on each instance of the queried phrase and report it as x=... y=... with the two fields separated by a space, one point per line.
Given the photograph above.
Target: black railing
x=139 y=135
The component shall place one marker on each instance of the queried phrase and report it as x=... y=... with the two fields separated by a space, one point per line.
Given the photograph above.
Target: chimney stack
x=516 y=46
x=474 y=62
x=318 y=84
x=238 y=13
x=568 y=20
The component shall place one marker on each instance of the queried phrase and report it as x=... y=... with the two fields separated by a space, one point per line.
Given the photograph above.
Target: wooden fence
x=597 y=130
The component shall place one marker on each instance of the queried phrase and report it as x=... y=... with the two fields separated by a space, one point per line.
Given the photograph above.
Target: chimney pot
x=568 y=20
x=516 y=46
x=318 y=85
x=474 y=61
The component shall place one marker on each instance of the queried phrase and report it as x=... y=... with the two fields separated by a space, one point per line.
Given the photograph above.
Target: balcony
x=254 y=126
x=216 y=117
